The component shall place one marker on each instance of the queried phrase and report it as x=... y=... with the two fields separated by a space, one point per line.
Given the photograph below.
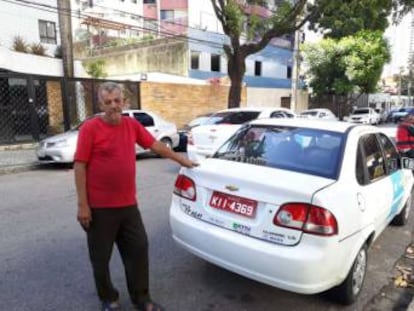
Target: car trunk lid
x=254 y=195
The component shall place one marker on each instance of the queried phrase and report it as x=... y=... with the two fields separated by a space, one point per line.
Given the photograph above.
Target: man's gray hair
x=108 y=87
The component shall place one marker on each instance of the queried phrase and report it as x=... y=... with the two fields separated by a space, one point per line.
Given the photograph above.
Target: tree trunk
x=236 y=68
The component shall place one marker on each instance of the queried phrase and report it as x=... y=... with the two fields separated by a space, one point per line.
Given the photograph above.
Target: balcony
x=173 y=4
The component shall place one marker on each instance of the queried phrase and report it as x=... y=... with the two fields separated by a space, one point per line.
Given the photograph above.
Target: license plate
x=233 y=204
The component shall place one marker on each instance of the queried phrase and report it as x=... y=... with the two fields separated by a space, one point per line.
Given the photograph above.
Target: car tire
x=402 y=218
x=348 y=291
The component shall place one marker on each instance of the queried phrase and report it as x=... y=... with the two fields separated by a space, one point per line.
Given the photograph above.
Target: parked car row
x=272 y=186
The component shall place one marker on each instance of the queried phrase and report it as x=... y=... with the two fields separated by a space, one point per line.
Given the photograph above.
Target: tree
x=337 y=18
x=234 y=17
x=342 y=18
x=350 y=64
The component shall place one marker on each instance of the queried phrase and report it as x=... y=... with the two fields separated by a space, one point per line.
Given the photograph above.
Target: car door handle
x=360 y=202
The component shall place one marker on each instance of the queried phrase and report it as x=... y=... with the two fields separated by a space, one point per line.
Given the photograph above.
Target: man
x=405 y=136
x=107 y=206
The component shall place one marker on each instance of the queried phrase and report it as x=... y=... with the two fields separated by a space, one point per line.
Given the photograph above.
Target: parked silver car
x=318 y=113
x=61 y=148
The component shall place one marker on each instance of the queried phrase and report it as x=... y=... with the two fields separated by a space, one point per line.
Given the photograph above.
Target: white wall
x=265 y=97
x=33 y=64
x=201 y=15
x=18 y=19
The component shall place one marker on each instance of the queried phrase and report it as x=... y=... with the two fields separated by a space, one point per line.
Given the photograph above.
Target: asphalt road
x=44 y=264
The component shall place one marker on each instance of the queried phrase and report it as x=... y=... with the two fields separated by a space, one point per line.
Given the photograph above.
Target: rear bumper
x=309 y=268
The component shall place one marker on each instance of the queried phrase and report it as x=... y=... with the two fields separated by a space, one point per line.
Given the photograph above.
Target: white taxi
x=294 y=203
x=204 y=139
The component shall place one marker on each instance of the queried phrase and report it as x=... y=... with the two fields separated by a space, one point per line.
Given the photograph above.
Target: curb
x=19 y=147
x=19 y=168
x=393 y=296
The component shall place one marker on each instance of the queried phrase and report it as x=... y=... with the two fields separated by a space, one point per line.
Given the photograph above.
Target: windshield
x=198 y=121
x=309 y=113
x=232 y=117
x=309 y=151
x=361 y=111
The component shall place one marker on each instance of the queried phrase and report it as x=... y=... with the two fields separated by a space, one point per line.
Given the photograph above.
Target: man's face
x=410 y=118
x=111 y=104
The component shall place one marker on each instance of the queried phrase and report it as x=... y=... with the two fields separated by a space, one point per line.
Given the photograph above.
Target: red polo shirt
x=109 y=151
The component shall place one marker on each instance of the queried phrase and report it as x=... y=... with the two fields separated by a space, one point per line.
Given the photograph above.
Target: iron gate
x=34 y=107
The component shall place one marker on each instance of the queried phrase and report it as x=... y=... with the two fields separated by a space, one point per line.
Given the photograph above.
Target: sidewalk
x=398 y=294
x=18 y=158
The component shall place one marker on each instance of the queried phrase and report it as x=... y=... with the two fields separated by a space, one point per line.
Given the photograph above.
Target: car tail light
x=185 y=187
x=307 y=218
x=190 y=140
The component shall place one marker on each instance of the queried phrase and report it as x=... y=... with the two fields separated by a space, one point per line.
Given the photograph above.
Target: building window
x=195 y=60
x=215 y=62
x=289 y=72
x=47 y=32
x=257 y=68
x=167 y=14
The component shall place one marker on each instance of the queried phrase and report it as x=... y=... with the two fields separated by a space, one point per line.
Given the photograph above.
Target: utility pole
x=295 y=70
x=65 y=30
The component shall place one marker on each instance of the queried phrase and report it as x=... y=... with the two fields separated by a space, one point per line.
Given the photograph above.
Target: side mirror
x=407 y=163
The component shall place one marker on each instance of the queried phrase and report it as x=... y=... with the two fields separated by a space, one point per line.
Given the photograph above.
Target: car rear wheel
x=351 y=287
x=402 y=218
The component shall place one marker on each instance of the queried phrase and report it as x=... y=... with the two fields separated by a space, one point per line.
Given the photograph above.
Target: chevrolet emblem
x=232 y=188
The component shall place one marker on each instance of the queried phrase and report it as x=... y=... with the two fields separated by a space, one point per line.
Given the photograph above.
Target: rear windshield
x=232 y=117
x=310 y=151
x=361 y=111
x=309 y=113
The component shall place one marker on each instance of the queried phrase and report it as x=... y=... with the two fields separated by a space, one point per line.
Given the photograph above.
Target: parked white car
x=203 y=140
x=294 y=203
x=318 y=113
x=364 y=116
x=61 y=148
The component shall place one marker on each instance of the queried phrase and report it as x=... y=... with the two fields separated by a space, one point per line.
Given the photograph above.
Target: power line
x=54 y=9
x=165 y=33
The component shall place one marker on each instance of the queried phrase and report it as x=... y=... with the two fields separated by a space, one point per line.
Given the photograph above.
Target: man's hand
x=188 y=163
x=84 y=216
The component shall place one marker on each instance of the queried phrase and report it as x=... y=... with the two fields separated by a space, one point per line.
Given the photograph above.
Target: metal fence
x=34 y=107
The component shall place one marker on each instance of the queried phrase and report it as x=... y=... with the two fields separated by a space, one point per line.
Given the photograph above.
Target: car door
x=395 y=174
x=375 y=193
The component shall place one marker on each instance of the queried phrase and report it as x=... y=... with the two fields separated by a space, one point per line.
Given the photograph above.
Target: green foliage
x=234 y=17
x=96 y=69
x=342 y=18
x=351 y=64
x=20 y=45
x=38 y=49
